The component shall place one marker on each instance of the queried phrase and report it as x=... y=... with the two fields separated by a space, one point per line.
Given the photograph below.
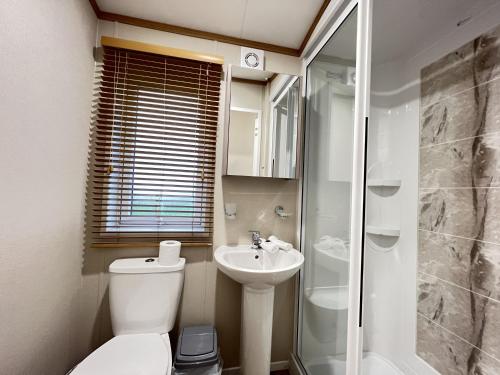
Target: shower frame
x=336 y=13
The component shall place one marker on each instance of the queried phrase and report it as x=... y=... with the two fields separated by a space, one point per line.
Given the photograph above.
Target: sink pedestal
x=259 y=272
x=256 y=330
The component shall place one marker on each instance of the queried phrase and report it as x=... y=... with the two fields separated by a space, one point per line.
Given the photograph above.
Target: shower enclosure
x=333 y=195
x=400 y=173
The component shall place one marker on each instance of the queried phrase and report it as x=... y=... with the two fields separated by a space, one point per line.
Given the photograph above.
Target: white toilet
x=144 y=297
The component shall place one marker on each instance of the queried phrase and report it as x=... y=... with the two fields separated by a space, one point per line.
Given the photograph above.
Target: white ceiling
x=402 y=28
x=281 y=22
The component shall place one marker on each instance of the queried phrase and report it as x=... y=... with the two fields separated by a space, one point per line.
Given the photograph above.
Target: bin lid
x=197 y=347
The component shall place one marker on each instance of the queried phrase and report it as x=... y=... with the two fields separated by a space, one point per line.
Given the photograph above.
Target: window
x=152 y=149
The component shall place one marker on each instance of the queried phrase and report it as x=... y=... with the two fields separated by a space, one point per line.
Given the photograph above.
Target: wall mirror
x=262 y=127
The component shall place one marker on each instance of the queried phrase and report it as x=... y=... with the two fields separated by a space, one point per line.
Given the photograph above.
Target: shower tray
x=372 y=364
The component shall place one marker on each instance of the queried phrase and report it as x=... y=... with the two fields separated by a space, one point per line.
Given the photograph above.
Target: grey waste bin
x=197 y=352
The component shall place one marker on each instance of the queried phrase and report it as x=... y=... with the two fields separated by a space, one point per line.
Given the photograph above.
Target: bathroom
x=361 y=134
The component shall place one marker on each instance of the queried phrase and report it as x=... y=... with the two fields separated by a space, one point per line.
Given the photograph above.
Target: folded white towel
x=335 y=245
x=282 y=244
x=328 y=242
x=270 y=247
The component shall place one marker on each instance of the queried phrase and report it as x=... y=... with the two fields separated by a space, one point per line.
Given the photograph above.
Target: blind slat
x=153 y=207
x=157 y=125
x=116 y=115
x=140 y=145
x=117 y=119
x=109 y=94
x=108 y=151
x=173 y=169
x=153 y=111
x=181 y=136
x=149 y=59
x=138 y=74
x=166 y=163
x=152 y=149
x=176 y=223
x=181 y=90
x=148 y=96
x=130 y=172
x=147 y=104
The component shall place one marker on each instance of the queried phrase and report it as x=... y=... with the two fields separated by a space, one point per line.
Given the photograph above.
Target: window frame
x=119 y=218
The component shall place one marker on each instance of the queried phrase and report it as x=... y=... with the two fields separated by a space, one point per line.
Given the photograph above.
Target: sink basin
x=259 y=271
x=257 y=268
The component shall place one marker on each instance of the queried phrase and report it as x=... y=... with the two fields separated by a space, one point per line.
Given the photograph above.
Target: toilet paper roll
x=169 y=253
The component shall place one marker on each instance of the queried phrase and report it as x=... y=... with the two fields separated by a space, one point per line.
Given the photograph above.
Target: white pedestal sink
x=258 y=271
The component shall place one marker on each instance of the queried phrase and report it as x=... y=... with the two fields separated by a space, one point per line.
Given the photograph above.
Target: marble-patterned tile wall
x=458 y=327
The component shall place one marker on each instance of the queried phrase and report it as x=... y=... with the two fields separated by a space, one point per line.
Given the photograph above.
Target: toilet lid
x=137 y=354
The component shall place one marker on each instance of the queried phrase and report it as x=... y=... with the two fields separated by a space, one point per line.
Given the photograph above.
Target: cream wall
x=247 y=95
x=46 y=69
x=209 y=296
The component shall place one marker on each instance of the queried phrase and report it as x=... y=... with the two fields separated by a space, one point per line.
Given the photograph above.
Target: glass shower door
x=332 y=204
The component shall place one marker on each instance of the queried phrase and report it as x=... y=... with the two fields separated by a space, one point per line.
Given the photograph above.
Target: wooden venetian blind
x=152 y=149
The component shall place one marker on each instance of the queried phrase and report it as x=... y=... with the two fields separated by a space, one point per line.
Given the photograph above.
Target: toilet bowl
x=144 y=297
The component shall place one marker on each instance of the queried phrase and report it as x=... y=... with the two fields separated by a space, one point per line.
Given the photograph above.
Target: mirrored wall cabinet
x=262 y=134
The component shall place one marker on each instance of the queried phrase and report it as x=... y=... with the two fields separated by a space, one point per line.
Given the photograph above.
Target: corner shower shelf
x=382 y=182
x=382 y=231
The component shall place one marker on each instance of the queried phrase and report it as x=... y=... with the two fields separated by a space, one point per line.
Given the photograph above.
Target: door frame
x=256 y=138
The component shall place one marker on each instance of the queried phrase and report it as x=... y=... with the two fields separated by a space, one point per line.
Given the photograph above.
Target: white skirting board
x=275 y=366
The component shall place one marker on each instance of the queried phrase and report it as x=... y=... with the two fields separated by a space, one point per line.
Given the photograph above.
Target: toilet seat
x=136 y=354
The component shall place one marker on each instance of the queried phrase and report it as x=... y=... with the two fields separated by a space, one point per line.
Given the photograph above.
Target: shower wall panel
x=458 y=305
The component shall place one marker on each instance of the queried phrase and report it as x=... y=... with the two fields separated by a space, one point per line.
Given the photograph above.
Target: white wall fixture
x=383 y=183
x=280 y=211
x=252 y=58
x=383 y=206
x=382 y=231
x=230 y=210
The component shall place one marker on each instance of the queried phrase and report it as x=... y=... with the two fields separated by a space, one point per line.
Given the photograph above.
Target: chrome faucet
x=256 y=240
